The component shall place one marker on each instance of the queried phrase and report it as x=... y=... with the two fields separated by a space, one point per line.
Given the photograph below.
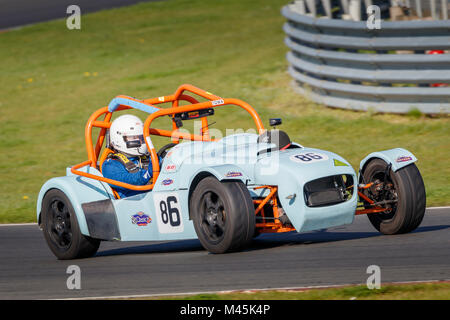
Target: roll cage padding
x=131 y=102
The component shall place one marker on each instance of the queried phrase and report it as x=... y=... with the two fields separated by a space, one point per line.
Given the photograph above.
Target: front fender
x=397 y=157
x=79 y=190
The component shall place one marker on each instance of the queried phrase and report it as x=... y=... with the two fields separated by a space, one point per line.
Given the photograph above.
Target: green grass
x=53 y=78
x=420 y=291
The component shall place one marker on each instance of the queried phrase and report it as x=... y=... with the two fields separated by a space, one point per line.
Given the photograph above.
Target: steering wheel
x=163 y=151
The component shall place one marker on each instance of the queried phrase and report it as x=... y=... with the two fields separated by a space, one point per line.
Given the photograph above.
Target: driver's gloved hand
x=150 y=169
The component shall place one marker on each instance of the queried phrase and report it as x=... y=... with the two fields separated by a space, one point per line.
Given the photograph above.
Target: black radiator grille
x=328 y=191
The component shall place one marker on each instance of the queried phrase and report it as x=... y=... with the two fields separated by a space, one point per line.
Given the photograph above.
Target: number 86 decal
x=168 y=212
x=308 y=157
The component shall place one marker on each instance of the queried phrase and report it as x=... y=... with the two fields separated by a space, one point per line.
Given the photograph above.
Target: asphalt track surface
x=15 y=13
x=341 y=255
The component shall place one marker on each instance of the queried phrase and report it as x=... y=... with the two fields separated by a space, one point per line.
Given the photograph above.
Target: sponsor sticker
x=233 y=174
x=217 y=102
x=141 y=219
x=338 y=163
x=167 y=182
x=404 y=159
x=171 y=168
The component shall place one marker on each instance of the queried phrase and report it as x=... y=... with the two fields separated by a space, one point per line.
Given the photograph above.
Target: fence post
x=419 y=8
x=312 y=7
x=355 y=10
x=344 y=4
x=368 y=3
x=433 y=10
x=327 y=6
x=444 y=9
x=299 y=6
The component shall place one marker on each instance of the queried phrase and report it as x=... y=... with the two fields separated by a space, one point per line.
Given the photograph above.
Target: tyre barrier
x=394 y=69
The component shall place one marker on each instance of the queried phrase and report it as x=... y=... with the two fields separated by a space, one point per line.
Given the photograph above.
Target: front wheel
x=401 y=192
x=223 y=214
x=61 y=230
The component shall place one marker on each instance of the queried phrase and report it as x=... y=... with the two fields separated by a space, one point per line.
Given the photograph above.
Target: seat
x=277 y=137
x=102 y=159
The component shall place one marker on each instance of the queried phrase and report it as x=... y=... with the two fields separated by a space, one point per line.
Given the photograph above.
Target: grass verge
x=53 y=78
x=415 y=291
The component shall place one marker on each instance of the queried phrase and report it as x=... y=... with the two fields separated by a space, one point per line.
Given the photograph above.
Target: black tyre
x=223 y=214
x=61 y=230
x=403 y=193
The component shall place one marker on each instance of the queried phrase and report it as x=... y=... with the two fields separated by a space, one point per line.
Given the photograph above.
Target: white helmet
x=126 y=135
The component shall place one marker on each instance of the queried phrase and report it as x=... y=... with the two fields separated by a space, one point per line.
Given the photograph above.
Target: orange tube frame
x=370 y=201
x=214 y=101
x=270 y=227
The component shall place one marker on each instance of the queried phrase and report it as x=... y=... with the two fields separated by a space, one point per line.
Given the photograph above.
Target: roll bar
x=149 y=105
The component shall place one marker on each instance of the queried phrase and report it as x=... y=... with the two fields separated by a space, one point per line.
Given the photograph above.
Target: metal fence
x=345 y=64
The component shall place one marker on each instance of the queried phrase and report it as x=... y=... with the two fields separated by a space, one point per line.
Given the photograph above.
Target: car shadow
x=267 y=241
x=166 y=247
x=430 y=228
x=262 y=242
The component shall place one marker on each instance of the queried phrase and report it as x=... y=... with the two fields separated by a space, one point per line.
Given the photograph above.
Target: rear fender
x=79 y=190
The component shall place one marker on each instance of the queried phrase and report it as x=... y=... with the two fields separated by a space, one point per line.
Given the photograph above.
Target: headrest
x=277 y=137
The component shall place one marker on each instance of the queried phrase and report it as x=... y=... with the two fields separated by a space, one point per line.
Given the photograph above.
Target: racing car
x=223 y=192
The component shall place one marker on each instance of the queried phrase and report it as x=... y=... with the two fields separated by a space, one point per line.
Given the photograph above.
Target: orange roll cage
x=269 y=224
x=213 y=102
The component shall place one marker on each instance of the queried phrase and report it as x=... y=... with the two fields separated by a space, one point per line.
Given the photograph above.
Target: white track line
x=244 y=290
x=18 y=224
x=35 y=224
x=436 y=208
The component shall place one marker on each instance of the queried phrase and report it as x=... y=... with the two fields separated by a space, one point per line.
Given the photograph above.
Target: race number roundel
x=308 y=157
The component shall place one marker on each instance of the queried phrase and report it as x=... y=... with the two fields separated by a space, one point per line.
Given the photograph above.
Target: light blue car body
x=163 y=213
x=234 y=157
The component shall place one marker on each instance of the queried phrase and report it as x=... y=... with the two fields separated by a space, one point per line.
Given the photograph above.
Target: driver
x=130 y=161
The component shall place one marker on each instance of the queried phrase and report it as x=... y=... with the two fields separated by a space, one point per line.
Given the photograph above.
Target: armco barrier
x=344 y=64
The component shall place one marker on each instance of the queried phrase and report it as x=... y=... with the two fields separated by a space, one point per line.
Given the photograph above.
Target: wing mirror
x=275 y=122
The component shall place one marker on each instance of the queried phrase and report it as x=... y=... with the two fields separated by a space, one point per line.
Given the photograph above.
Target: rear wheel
x=61 y=230
x=223 y=214
x=402 y=193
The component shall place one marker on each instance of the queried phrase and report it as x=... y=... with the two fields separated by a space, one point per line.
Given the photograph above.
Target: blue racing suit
x=115 y=170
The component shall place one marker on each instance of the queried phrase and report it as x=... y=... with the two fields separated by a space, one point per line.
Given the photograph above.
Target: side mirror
x=275 y=122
